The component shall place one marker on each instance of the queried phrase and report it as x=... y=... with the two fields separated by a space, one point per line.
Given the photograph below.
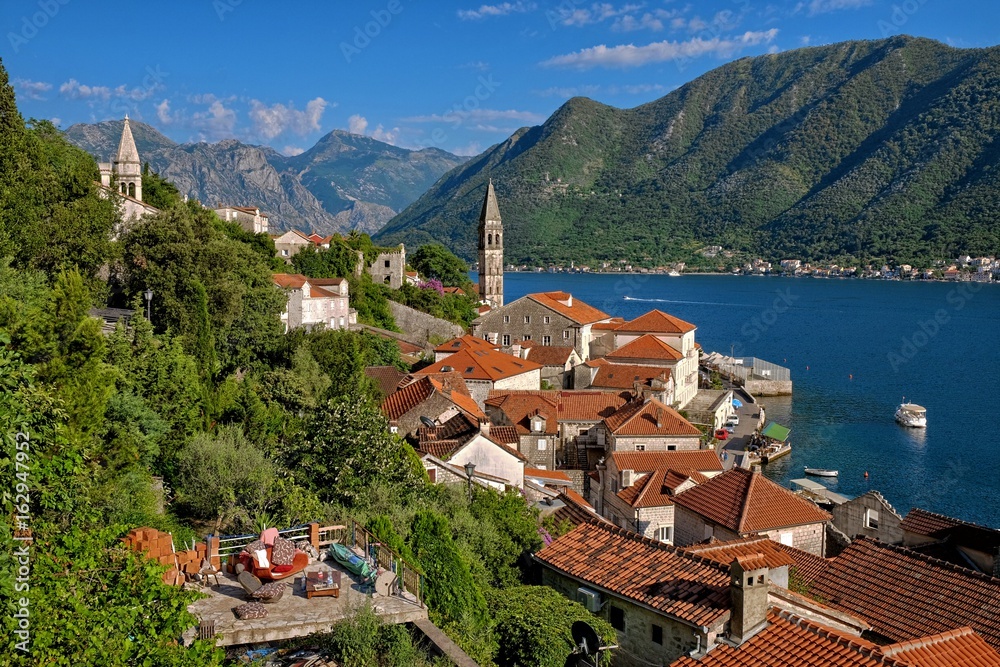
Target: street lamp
x=149 y=302
x=469 y=469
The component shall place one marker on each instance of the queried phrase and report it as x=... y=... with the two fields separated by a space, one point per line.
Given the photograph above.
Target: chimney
x=748 y=583
x=569 y=301
x=659 y=417
x=484 y=426
x=601 y=470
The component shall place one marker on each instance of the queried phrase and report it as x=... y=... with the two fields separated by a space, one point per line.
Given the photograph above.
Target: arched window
x=490 y=242
x=131 y=189
x=498 y=238
x=124 y=189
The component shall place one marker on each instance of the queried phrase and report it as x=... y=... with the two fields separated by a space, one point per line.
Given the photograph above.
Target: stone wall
x=422 y=326
x=627 y=443
x=389 y=268
x=635 y=640
x=769 y=387
x=560 y=330
x=853 y=518
x=811 y=537
x=690 y=527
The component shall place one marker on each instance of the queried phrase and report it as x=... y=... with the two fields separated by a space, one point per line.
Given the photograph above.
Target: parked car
x=733 y=419
x=721 y=434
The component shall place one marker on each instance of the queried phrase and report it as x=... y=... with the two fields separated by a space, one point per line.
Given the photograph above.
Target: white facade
x=310 y=305
x=248 y=217
x=491 y=459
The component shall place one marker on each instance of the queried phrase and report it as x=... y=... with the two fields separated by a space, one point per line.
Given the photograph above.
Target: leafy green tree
x=433 y=260
x=531 y=626
x=158 y=191
x=346 y=446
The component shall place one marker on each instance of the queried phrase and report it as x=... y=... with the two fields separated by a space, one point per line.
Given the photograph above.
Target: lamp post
x=469 y=469
x=149 y=302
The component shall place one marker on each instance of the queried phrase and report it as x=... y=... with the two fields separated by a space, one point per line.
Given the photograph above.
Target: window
x=665 y=534
x=614 y=489
x=565 y=333
x=546 y=319
x=527 y=319
x=657 y=634
x=671 y=448
x=526 y=337
x=542 y=445
x=584 y=431
x=284 y=253
x=617 y=618
x=787 y=539
x=506 y=319
x=546 y=340
x=871 y=519
x=640 y=448
x=387 y=264
x=506 y=340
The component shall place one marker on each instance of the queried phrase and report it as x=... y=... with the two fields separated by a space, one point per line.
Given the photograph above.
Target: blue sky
x=457 y=75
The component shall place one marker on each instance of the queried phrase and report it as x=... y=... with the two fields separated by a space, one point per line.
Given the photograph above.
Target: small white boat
x=911 y=414
x=673 y=273
x=821 y=472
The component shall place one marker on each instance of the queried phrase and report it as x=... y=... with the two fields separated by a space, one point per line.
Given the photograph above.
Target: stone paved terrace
x=293 y=615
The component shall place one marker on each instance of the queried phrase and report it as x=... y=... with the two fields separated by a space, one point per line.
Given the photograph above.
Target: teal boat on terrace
x=352 y=562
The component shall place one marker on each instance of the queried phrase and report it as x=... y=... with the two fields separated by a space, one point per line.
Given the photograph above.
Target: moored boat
x=822 y=472
x=911 y=414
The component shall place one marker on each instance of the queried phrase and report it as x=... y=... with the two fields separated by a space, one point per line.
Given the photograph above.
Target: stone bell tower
x=126 y=165
x=491 y=250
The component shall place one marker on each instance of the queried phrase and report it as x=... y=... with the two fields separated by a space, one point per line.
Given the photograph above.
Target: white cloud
x=630 y=23
x=75 y=90
x=478 y=116
x=388 y=136
x=501 y=9
x=216 y=122
x=357 y=124
x=569 y=91
x=270 y=121
x=630 y=55
x=826 y=6
x=292 y=151
x=598 y=12
x=163 y=112
x=804 y=40
x=31 y=90
x=55 y=120
x=470 y=149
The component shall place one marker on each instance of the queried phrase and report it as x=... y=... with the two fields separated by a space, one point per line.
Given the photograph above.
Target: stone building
x=491 y=250
x=534 y=416
x=287 y=245
x=486 y=370
x=488 y=448
x=647 y=425
x=315 y=301
x=389 y=267
x=434 y=397
x=603 y=375
x=869 y=515
x=124 y=172
x=557 y=363
x=545 y=318
x=953 y=540
x=739 y=503
x=248 y=217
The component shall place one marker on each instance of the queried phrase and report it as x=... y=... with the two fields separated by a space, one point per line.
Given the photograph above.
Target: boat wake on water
x=695 y=303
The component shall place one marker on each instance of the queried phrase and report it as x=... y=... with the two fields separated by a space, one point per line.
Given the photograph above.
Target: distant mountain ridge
x=857 y=150
x=344 y=182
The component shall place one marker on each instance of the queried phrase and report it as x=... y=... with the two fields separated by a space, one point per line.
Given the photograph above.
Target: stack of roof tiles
x=747 y=502
x=159 y=546
x=723 y=553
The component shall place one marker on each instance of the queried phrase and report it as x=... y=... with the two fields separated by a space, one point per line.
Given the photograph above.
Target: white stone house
x=290 y=243
x=248 y=217
x=315 y=301
x=647 y=425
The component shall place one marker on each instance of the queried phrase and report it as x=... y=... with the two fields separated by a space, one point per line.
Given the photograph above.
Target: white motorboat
x=911 y=414
x=822 y=472
x=673 y=273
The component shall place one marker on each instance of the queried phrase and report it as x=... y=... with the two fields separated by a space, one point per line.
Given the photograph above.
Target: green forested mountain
x=855 y=151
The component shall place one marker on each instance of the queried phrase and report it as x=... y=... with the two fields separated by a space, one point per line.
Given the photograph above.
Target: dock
x=816 y=492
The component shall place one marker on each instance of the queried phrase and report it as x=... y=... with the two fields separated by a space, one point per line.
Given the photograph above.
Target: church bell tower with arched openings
x=126 y=165
x=491 y=250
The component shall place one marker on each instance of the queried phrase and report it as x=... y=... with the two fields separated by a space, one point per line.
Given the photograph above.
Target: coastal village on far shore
x=642 y=454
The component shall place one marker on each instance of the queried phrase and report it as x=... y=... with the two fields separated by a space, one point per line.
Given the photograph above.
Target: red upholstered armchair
x=274 y=572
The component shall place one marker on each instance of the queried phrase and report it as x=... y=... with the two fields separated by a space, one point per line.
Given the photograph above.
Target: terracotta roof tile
x=574 y=406
x=485 y=364
x=645 y=571
x=386 y=378
x=566 y=305
x=504 y=435
x=289 y=280
x=747 y=502
x=961 y=647
x=646 y=346
x=405 y=399
x=808 y=567
x=906 y=595
x=723 y=553
x=556 y=477
x=657 y=488
x=656 y=321
x=466 y=342
x=519 y=408
x=611 y=325
x=578 y=499
x=575 y=512
x=702 y=460
x=650 y=418
x=792 y=641
x=624 y=376
x=550 y=355
x=927 y=523
x=955 y=531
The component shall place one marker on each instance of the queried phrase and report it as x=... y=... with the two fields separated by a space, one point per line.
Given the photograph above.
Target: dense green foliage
x=457 y=308
x=157 y=191
x=364 y=640
x=852 y=151
x=433 y=260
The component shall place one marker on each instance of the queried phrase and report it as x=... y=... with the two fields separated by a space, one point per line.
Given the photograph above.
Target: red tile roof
x=556 y=477
x=808 y=567
x=905 y=595
x=566 y=305
x=961 y=647
x=657 y=488
x=724 y=553
x=642 y=570
x=793 y=642
x=406 y=398
x=482 y=365
x=578 y=499
x=955 y=531
x=611 y=325
x=505 y=435
x=574 y=406
x=466 y=342
x=702 y=460
x=656 y=321
x=927 y=523
x=646 y=346
x=649 y=418
x=747 y=502
x=550 y=355
x=574 y=511
x=289 y=280
x=624 y=376
x=386 y=378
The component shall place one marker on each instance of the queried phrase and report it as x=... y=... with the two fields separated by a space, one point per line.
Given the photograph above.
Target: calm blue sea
x=855 y=349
